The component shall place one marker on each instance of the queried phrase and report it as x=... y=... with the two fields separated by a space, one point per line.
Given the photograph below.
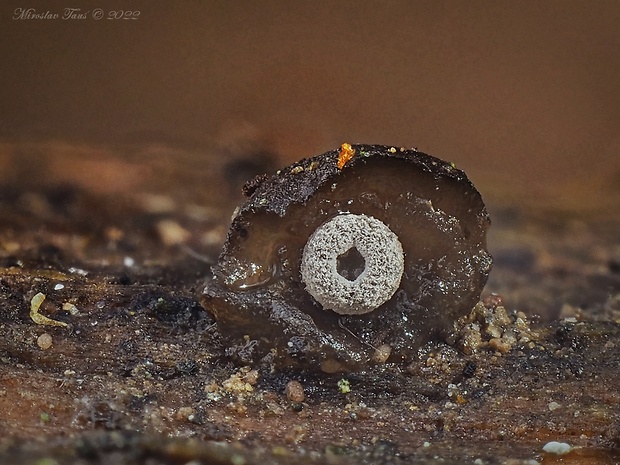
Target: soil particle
x=44 y=341
x=294 y=391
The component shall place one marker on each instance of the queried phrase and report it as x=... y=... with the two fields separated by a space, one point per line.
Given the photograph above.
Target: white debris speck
x=553 y=406
x=59 y=286
x=71 y=308
x=129 y=262
x=426 y=444
x=558 y=448
x=78 y=271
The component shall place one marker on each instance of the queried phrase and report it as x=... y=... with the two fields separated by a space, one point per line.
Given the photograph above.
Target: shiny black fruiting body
x=257 y=294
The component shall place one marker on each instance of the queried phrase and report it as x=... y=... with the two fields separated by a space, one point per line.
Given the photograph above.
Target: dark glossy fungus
x=363 y=251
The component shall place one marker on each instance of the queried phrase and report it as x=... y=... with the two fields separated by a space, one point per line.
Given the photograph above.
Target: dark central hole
x=350 y=264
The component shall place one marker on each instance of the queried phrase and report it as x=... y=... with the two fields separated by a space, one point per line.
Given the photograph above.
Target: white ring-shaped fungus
x=381 y=268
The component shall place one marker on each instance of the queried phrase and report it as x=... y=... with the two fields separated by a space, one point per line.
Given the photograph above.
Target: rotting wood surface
x=140 y=375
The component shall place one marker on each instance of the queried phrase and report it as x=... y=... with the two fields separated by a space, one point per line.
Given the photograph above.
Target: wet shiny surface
x=437 y=214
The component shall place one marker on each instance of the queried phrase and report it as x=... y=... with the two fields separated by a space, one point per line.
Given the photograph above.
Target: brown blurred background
x=178 y=107
x=524 y=96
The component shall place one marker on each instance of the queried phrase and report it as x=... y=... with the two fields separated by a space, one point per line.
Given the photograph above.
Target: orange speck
x=346 y=153
x=460 y=399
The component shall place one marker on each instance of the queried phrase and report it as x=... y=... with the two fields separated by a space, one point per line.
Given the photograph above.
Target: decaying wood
x=139 y=375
